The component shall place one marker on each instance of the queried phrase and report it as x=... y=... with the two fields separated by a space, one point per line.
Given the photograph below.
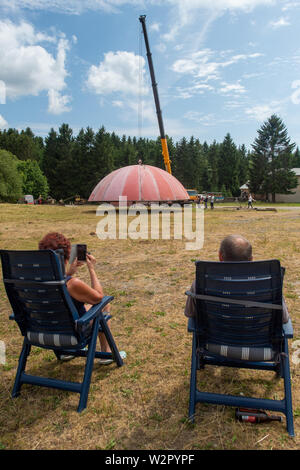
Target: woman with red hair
x=83 y=295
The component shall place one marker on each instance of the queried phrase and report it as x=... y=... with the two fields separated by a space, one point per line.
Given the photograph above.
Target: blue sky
x=221 y=66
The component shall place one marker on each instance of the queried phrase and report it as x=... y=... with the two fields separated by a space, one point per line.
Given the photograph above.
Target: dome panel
x=139 y=183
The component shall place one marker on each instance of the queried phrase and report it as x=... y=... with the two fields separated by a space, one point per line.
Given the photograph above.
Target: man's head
x=235 y=248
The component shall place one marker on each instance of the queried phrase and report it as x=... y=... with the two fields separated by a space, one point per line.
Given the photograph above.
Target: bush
x=10 y=178
x=34 y=181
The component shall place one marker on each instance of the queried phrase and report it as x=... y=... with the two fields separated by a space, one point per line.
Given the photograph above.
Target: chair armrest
x=191 y=324
x=288 y=329
x=94 y=311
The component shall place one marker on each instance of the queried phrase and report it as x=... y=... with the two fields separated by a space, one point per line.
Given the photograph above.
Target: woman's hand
x=74 y=266
x=90 y=261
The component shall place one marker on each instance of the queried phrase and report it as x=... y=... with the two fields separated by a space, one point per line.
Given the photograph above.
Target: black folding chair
x=45 y=313
x=239 y=324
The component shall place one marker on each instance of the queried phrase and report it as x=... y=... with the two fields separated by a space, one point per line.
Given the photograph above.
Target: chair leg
x=193 y=382
x=288 y=390
x=21 y=367
x=88 y=368
x=111 y=342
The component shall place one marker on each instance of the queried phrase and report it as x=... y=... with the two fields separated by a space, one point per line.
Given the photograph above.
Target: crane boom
x=163 y=139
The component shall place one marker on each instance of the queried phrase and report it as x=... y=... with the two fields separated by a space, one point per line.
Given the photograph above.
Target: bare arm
x=81 y=291
x=95 y=283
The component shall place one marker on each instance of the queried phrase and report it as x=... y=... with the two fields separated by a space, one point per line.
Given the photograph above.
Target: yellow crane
x=165 y=150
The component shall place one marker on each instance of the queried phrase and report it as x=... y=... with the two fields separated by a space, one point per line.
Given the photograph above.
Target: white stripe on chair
x=41 y=338
x=245 y=354
x=56 y=340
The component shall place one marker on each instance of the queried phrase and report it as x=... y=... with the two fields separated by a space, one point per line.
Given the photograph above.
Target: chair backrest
x=35 y=286
x=235 y=324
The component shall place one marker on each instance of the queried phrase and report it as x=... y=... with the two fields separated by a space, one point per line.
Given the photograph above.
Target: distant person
x=250 y=201
x=232 y=248
x=83 y=295
x=212 y=201
x=205 y=201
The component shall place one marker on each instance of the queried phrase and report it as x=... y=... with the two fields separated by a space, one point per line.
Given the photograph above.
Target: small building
x=244 y=191
x=279 y=197
x=291 y=197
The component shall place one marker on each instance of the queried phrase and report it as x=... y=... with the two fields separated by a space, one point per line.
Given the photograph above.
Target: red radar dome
x=139 y=183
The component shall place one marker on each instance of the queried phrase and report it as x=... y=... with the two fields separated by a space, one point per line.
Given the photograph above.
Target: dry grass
x=144 y=404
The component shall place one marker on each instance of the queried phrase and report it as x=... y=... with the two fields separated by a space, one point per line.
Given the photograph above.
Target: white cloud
x=79 y=6
x=263 y=112
x=290 y=6
x=58 y=103
x=233 y=104
x=232 y=88
x=197 y=64
x=26 y=67
x=185 y=12
x=191 y=91
x=121 y=75
x=279 y=23
x=204 y=65
x=161 y=47
x=155 y=27
x=182 y=12
x=119 y=72
x=252 y=75
x=3 y=122
x=221 y=4
x=74 y=7
x=295 y=97
x=205 y=119
x=142 y=111
x=118 y=104
x=2 y=92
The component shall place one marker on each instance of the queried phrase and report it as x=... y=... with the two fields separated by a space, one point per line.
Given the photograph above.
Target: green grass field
x=144 y=405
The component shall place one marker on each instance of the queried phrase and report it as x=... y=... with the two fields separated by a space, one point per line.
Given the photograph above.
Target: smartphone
x=78 y=251
x=81 y=252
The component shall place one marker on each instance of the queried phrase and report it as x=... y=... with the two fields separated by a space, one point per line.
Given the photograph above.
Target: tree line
x=64 y=165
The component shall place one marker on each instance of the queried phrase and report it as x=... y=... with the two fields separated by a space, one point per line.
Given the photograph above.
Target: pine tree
x=182 y=166
x=213 y=157
x=228 y=166
x=83 y=157
x=24 y=145
x=58 y=165
x=271 y=160
x=104 y=153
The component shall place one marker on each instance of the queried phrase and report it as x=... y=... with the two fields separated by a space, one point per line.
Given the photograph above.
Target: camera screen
x=81 y=252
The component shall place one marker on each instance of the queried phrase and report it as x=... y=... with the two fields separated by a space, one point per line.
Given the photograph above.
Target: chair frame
x=201 y=357
x=93 y=316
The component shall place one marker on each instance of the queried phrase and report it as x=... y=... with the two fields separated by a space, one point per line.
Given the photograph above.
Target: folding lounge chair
x=43 y=309
x=239 y=324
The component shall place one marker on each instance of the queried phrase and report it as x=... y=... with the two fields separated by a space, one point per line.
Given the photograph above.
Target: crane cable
x=140 y=102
